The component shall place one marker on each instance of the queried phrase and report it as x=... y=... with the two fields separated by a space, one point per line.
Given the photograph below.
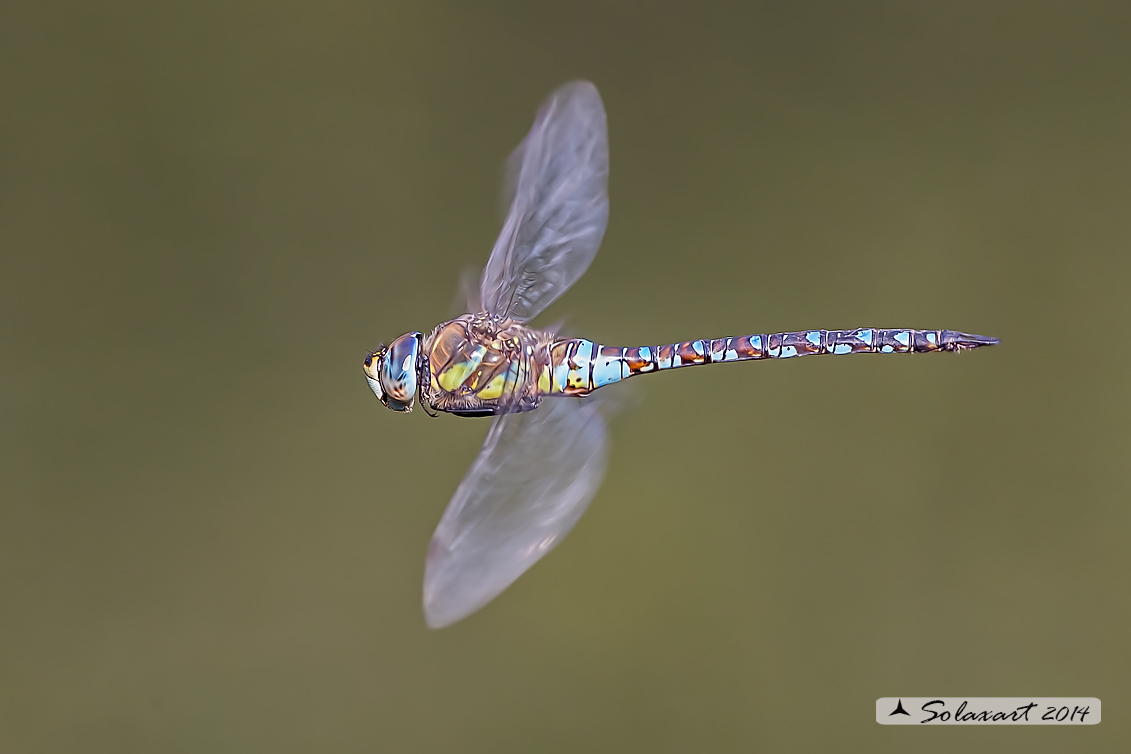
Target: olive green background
x=212 y=535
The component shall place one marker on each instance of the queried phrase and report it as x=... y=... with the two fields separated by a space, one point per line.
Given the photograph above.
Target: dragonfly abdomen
x=579 y=366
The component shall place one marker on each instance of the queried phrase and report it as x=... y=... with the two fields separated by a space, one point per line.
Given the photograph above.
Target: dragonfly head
x=392 y=372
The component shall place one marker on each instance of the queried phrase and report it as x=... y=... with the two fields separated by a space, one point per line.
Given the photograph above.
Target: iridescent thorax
x=482 y=365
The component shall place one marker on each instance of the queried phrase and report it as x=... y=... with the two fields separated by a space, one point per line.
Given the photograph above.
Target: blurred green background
x=212 y=536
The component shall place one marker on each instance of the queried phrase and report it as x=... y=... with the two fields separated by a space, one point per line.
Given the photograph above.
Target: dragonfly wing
x=533 y=478
x=558 y=205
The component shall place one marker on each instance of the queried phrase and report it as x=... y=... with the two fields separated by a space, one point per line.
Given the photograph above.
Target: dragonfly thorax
x=479 y=364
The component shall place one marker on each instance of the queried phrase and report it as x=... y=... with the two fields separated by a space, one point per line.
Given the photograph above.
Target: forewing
x=533 y=478
x=558 y=205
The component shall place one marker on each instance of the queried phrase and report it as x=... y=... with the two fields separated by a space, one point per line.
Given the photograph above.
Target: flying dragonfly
x=545 y=451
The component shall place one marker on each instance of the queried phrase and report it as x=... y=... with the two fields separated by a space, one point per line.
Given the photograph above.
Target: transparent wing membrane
x=558 y=205
x=532 y=480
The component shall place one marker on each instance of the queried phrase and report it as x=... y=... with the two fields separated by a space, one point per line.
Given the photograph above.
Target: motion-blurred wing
x=559 y=205
x=529 y=485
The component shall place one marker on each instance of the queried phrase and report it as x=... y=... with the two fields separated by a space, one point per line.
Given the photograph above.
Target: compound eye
x=398 y=371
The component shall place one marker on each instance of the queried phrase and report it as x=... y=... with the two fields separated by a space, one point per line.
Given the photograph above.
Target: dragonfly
x=545 y=452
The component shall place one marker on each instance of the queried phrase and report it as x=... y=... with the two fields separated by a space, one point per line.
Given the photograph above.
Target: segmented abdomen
x=580 y=366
